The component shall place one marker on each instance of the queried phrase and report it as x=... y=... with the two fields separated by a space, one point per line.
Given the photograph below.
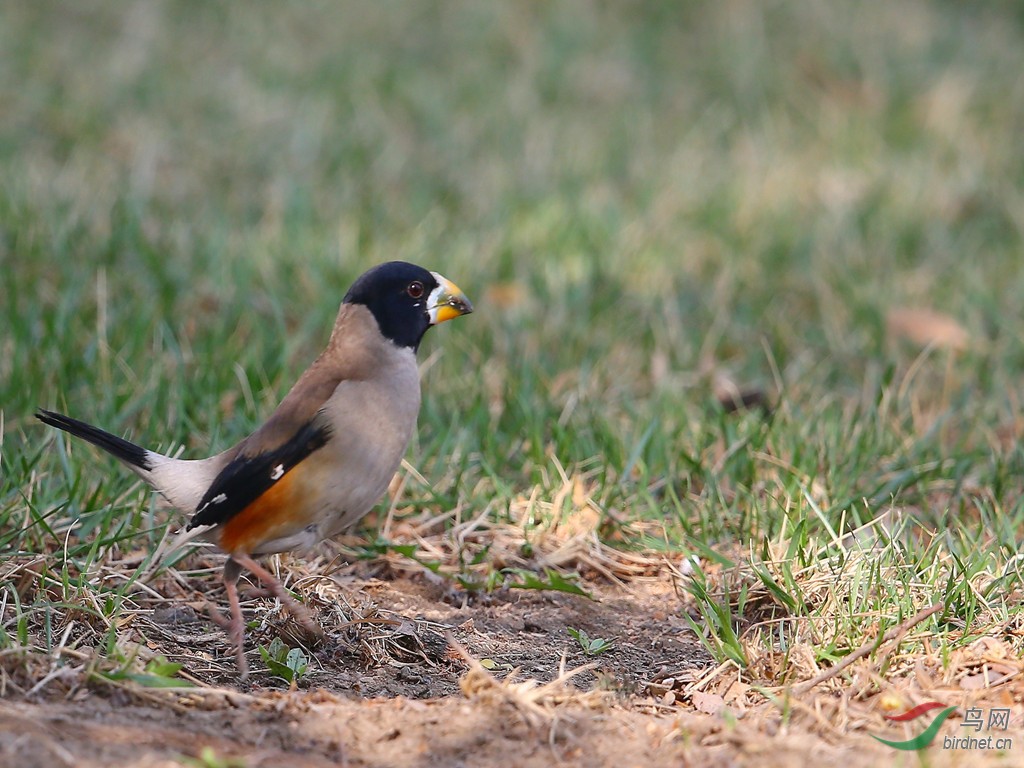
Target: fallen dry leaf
x=927 y=327
x=708 y=703
x=992 y=675
x=736 y=692
x=507 y=295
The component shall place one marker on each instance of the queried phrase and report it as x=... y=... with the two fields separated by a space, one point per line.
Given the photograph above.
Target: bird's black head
x=406 y=300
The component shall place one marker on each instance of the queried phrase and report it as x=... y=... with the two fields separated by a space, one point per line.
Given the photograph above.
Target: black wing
x=247 y=478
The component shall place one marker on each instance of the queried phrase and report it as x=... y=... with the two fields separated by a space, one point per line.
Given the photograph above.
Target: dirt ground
x=390 y=689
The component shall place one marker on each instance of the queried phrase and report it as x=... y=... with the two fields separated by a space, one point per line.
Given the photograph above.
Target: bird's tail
x=134 y=456
x=182 y=483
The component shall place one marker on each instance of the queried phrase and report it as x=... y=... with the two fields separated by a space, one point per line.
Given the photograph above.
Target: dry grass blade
x=539 y=704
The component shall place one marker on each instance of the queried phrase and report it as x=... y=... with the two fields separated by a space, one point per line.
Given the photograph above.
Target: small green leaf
x=480 y=556
x=158 y=681
x=553 y=581
x=161 y=667
x=591 y=646
x=296 y=661
x=287 y=663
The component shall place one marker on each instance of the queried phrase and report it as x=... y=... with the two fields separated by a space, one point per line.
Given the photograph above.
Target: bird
x=325 y=455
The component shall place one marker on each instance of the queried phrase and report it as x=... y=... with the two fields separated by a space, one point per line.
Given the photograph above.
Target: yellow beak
x=447 y=301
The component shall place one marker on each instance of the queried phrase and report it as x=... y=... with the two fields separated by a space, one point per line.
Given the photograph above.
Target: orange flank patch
x=278 y=512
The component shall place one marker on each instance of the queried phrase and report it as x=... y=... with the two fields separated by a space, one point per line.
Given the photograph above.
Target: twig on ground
x=893 y=634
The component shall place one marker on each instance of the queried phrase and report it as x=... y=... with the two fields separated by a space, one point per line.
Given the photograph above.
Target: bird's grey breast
x=371 y=420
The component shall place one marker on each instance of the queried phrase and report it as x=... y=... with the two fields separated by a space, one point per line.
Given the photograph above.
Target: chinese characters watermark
x=997 y=723
x=998 y=720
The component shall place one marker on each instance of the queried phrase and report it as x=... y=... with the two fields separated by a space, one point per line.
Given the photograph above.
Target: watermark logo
x=924 y=738
x=998 y=720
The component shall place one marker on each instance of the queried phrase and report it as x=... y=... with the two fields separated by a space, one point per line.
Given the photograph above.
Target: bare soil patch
x=391 y=690
x=390 y=637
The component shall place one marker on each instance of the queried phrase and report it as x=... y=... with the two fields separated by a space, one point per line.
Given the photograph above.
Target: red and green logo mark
x=924 y=738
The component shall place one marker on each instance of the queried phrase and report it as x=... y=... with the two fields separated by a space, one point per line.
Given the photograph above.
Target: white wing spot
x=277 y=472
x=220 y=498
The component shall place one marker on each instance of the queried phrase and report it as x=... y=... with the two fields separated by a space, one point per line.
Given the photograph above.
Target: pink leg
x=236 y=629
x=297 y=609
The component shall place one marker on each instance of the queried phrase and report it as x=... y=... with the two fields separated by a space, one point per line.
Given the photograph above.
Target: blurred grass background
x=645 y=200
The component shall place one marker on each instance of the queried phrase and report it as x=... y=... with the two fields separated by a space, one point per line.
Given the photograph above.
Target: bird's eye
x=415 y=289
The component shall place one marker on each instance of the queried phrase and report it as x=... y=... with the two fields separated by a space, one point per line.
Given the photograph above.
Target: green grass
x=643 y=200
